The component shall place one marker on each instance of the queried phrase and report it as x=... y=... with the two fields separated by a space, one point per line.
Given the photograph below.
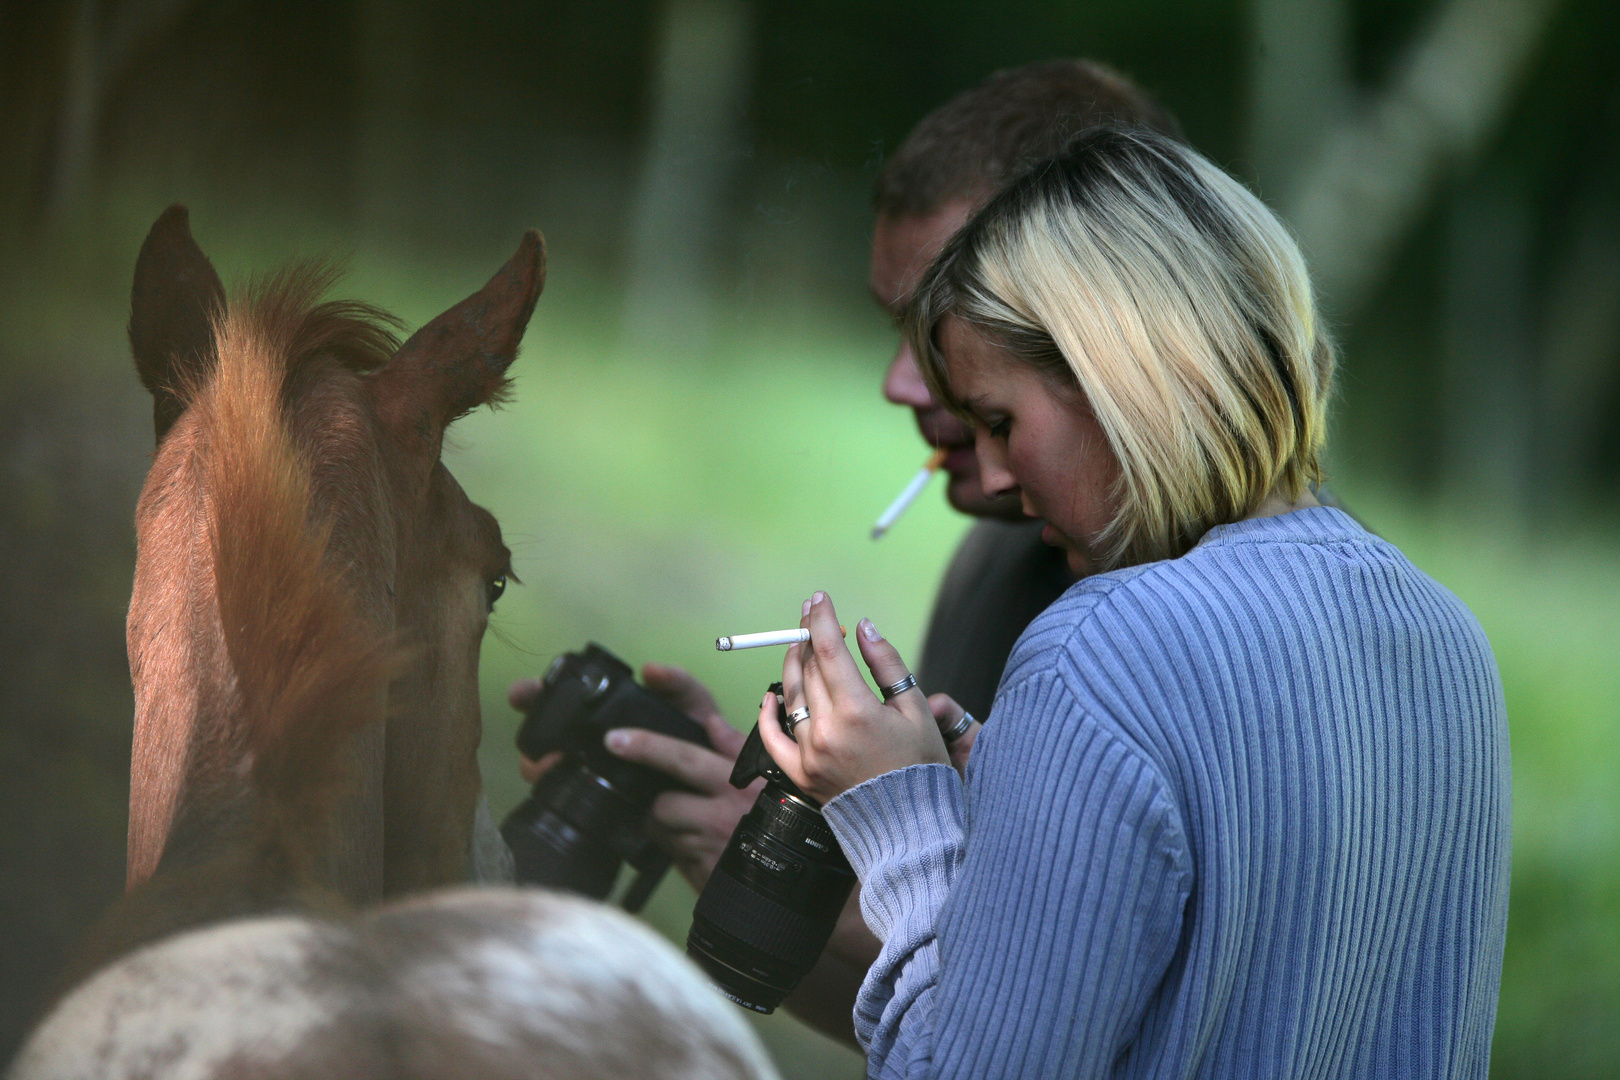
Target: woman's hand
x=948 y=714
x=850 y=736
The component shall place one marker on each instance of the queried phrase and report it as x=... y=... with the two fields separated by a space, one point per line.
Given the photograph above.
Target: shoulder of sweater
x=1093 y=610
x=1057 y=629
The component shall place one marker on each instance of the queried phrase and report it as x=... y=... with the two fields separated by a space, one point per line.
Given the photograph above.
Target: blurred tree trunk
x=1580 y=347
x=391 y=152
x=1353 y=192
x=1371 y=176
x=102 y=46
x=1299 y=86
x=1487 y=399
x=693 y=145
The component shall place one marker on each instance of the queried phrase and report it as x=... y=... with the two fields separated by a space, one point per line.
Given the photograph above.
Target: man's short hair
x=975 y=143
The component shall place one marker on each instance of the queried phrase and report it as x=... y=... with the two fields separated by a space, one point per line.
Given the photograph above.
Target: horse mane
x=306 y=664
x=308 y=670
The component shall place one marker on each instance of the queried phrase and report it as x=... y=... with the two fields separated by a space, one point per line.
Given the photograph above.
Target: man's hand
x=693 y=826
x=521 y=694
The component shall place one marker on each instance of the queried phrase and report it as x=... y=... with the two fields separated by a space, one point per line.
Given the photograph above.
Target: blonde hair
x=1131 y=266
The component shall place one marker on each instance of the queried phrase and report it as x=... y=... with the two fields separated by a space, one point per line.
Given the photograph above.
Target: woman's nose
x=903 y=383
x=994 y=476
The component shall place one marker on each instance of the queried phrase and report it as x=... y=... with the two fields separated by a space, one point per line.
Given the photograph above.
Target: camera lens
x=561 y=835
x=768 y=909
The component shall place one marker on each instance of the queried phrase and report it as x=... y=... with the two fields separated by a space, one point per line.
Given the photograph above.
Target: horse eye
x=496 y=588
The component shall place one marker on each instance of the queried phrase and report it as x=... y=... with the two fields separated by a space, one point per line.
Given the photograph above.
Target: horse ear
x=458 y=361
x=174 y=303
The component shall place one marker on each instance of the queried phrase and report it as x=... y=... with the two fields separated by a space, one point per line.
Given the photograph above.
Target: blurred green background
x=698 y=440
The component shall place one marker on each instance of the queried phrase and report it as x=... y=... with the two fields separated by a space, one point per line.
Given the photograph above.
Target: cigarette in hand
x=796 y=636
x=909 y=495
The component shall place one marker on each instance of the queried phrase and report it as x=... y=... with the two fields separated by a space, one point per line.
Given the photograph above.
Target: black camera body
x=767 y=911
x=584 y=817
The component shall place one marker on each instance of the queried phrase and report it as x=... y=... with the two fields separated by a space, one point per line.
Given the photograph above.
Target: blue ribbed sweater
x=1238 y=814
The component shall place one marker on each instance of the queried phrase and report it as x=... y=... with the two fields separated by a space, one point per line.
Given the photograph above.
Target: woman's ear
x=173 y=305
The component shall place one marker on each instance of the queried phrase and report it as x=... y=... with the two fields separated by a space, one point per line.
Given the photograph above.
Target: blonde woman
x=1241 y=805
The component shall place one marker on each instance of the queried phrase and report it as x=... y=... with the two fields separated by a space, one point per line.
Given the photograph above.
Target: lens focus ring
x=793 y=825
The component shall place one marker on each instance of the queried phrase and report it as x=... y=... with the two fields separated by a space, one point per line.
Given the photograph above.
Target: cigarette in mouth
x=909 y=495
x=796 y=636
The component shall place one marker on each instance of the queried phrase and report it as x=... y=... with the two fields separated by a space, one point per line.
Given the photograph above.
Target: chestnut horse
x=311 y=588
x=310 y=592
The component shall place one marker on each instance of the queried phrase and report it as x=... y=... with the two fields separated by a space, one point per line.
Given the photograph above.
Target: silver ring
x=900 y=687
x=795 y=718
x=959 y=728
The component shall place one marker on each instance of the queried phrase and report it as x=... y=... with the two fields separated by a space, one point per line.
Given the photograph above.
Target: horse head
x=311 y=584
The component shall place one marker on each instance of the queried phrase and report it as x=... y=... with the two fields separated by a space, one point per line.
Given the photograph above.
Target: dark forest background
x=701 y=170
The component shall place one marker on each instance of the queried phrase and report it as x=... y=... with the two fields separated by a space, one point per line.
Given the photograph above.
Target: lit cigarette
x=908 y=496
x=766 y=640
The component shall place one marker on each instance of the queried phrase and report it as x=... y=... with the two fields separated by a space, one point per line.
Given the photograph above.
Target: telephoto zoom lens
x=768 y=909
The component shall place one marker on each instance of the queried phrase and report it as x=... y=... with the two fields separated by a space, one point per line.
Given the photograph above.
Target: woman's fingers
x=793 y=678
x=813 y=694
x=887 y=668
x=850 y=736
x=783 y=750
x=948 y=715
x=843 y=681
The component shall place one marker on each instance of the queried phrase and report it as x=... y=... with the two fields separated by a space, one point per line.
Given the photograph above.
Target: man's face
x=902 y=248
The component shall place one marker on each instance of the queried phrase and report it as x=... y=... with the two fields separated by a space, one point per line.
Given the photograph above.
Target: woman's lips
x=1052 y=537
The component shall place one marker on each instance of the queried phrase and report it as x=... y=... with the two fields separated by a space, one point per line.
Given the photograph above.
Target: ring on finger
x=959 y=729
x=900 y=687
x=795 y=718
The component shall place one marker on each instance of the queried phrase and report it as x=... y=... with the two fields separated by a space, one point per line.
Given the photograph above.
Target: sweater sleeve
x=1027 y=938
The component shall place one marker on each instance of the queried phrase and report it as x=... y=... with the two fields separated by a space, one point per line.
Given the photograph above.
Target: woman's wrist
x=915 y=805
x=902 y=833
